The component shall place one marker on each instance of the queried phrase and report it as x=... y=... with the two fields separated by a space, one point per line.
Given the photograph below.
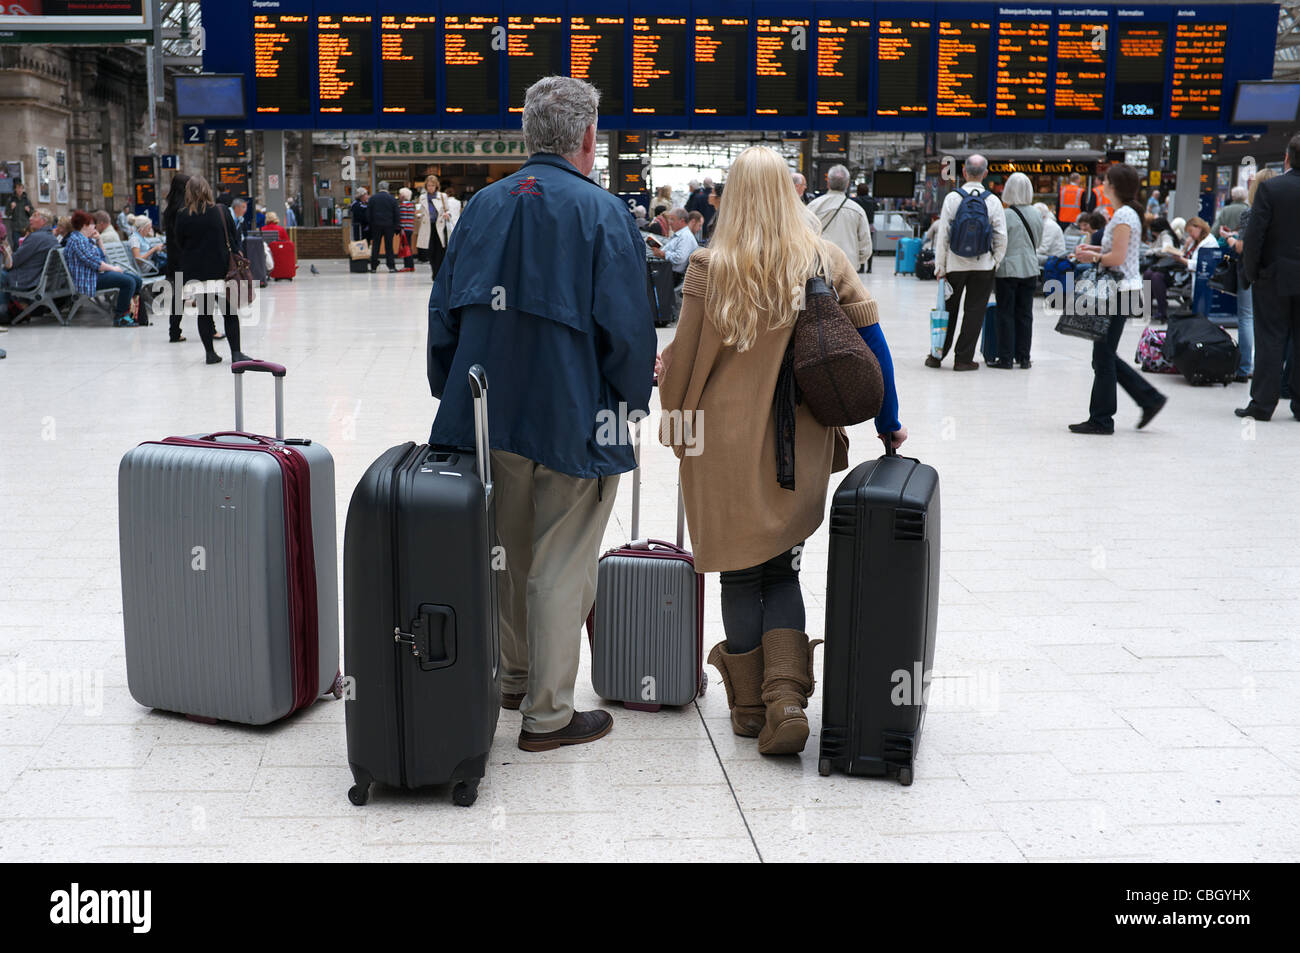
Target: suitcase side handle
x=478 y=387
x=275 y=370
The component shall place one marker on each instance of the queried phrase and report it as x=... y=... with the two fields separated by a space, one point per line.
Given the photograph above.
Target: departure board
x=534 y=48
x=781 y=67
x=903 y=77
x=843 y=66
x=281 y=46
x=345 y=80
x=721 y=71
x=473 y=76
x=962 y=88
x=408 y=54
x=1200 y=56
x=1140 y=71
x=1020 y=90
x=596 y=56
x=1081 y=70
x=659 y=66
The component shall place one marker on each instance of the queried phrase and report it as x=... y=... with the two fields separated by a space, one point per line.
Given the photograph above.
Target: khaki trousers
x=550 y=526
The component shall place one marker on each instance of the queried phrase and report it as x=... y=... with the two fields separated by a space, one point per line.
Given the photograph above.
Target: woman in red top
x=273 y=225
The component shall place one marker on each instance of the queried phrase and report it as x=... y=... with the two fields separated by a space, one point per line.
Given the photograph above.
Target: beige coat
x=423 y=223
x=739 y=516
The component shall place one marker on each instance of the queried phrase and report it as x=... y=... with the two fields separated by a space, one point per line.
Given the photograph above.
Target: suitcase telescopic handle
x=275 y=370
x=478 y=387
x=636 y=493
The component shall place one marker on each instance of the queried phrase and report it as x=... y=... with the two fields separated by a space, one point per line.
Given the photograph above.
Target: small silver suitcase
x=647 y=627
x=229 y=571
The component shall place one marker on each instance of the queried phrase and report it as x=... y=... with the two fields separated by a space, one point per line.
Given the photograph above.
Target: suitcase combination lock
x=432 y=637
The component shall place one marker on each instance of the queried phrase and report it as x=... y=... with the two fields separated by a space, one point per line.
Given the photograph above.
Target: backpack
x=971 y=234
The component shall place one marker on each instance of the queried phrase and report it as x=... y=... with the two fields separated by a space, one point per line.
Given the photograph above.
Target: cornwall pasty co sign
x=484 y=148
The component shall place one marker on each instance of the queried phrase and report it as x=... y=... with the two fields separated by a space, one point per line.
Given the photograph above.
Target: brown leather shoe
x=512 y=702
x=584 y=727
x=966 y=366
x=932 y=361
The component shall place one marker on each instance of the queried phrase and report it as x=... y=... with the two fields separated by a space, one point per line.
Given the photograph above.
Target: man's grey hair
x=708 y=182
x=976 y=167
x=677 y=213
x=45 y=214
x=557 y=112
x=1239 y=194
x=837 y=178
x=797 y=179
x=639 y=211
x=239 y=201
x=694 y=184
x=1018 y=190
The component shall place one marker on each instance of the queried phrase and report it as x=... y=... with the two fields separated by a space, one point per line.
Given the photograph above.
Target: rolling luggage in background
x=1150 y=354
x=646 y=628
x=229 y=577
x=286 y=261
x=882 y=606
x=661 y=292
x=420 y=623
x=255 y=252
x=1202 y=351
x=925 y=265
x=909 y=249
x=989 y=335
x=939 y=323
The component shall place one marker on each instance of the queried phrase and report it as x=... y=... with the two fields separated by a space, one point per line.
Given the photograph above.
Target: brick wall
x=320 y=242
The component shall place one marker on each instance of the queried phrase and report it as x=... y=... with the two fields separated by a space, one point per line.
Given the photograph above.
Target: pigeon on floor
x=315 y=270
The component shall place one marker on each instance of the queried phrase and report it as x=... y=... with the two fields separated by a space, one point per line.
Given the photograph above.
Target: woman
x=739 y=305
x=175 y=202
x=1160 y=237
x=1017 y=274
x=406 y=221
x=205 y=234
x=273 y=225
x=1118 y=250
x=663 y=200
x=435 y=218
x=145 y=245
x=1246 y=297
x=63 y=229
x=92 y=272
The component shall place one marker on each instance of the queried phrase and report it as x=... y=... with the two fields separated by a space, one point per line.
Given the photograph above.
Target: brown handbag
x=239 y=273
x=837 y=375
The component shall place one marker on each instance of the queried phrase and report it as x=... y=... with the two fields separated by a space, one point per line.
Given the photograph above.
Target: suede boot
x=787 y=683
x=742 y=677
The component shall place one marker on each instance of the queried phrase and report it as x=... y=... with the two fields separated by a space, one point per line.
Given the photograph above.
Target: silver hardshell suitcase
x=647 y=627
x=229 y=571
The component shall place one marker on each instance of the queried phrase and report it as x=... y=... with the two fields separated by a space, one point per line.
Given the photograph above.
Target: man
x=800 y=187
x=564 y=331
x=971 y=274
x=1072 y=200
x=19 y=208
x=1099 y=202
x=239 y=209
x=361 y=216
x=1229 y=217
x=104 y=225
x=383 y=216
x=1154 y=206
x=864 y=199
x=1271 y=262
x=843 y=221
x=29 y=260
x=677 y=251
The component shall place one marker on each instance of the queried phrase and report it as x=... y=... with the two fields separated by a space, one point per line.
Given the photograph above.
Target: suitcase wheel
x=824 y=767
x=465 y=793
x=905 y=776
x=704 y=683
x=359 y=794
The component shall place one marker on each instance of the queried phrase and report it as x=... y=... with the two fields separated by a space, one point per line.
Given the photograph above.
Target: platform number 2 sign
x=192 y=134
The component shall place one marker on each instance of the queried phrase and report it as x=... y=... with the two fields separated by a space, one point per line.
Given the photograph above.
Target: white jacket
x=944 y=260
x=848 y=228
x=443 y=203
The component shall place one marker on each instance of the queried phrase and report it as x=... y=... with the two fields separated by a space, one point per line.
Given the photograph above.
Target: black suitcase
x=661 y=293
x=882 y=605
x=421 y=630
x=1202 y=351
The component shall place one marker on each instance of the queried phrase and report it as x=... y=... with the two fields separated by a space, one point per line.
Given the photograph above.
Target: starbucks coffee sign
x=446 y=147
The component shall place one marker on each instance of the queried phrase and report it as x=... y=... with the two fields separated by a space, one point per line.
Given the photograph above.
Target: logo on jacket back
x=528 y=185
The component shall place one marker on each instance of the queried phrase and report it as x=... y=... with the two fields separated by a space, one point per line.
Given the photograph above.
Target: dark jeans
x=127 y=286
x=436 y=255
x=760 y=599
x=1015 y=318
x=977 y=286
x=1108 y=369
x=1277 y=318
x=386 y=235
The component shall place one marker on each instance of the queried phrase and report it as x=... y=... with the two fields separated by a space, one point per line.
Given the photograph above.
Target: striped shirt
x=83 y=257
x=406 y=215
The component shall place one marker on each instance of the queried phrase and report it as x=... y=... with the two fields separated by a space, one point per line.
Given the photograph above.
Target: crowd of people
x=407 y=226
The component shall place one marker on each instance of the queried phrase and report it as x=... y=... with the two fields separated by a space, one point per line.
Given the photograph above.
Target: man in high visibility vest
x=1101 y=203
x=1071 y=203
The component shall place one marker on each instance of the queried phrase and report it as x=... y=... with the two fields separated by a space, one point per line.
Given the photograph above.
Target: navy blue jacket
x=544 y=285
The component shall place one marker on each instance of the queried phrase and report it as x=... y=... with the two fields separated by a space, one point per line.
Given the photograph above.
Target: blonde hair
x=198 y=195
x=273 y=218
x=1262 y=176
x=763 y=250
x=431 y=189
x=1198 y=222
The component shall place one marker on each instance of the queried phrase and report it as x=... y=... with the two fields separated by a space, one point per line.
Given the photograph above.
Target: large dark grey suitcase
x=255 y=252
x=646 y=628
x=882 y=606
x=421 y=626
x=229 y=571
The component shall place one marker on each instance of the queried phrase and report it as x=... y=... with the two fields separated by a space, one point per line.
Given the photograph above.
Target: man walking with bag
x=844 y=221
x=564 y=332
x=968 y=247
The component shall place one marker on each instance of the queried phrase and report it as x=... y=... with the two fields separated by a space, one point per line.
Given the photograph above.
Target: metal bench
x=55 y=285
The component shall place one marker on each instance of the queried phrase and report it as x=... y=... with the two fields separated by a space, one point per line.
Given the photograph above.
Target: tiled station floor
x=1117 y=663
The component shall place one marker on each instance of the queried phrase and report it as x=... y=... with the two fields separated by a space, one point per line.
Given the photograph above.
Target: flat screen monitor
x=1266 y=102
x=893 y=185
x=214 y=96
